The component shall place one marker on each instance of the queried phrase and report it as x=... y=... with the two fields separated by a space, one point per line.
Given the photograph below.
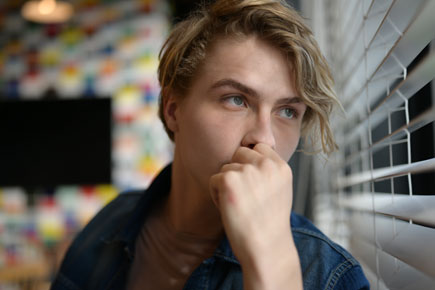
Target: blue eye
x=288 y=113
x=236 y=100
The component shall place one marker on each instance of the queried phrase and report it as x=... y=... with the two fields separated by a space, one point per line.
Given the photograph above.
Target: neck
x=189 y=207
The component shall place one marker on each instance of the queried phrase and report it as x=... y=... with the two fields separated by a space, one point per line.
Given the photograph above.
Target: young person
x=242 y=81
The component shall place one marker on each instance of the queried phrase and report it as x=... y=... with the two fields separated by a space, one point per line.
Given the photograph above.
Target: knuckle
x=248 y=168
x=267 y=164
x=285 y=169
x=229 y=178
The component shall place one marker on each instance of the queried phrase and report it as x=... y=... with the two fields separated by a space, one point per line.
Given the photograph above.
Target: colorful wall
x=108 y=50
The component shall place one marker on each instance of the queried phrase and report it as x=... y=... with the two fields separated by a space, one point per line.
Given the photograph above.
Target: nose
x=259 y=131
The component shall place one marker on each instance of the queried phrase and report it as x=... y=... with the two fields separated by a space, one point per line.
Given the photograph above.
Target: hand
x=254 y=196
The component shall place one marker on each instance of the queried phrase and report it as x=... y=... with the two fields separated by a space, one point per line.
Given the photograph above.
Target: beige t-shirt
x=165 y=258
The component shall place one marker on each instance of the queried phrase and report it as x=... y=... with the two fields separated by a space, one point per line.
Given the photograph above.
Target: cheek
x=286 y=144
x=211 y=138
x=221 y=136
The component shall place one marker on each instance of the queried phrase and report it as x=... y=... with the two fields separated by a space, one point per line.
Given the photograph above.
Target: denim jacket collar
x=158 y=190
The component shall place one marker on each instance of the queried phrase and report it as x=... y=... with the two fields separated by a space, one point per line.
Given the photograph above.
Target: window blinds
x=382 y=179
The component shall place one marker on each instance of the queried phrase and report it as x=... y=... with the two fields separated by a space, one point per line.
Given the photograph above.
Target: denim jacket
x=101 y=255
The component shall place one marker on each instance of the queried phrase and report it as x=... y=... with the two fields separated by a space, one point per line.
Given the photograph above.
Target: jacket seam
x=329 y=242
x=337 y=273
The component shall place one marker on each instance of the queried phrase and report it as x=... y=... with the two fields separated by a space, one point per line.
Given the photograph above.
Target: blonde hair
x=272 y=21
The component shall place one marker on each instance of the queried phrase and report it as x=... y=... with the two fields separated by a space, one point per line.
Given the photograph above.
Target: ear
x=170 y=112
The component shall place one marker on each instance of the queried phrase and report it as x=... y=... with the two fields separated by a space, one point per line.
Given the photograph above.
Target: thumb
x=214 y=189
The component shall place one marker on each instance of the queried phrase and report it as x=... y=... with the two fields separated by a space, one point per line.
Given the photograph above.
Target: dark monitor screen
x=55 y=142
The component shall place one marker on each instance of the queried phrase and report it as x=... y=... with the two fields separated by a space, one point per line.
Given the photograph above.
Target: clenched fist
x=254 y=196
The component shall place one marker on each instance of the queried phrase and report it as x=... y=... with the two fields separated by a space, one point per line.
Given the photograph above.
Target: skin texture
x=234 y=132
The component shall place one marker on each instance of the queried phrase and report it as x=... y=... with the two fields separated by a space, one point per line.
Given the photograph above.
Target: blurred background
x=79 y=125
x=78 y=121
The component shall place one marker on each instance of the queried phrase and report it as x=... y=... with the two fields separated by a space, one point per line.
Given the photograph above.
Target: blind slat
x=382 y=74
x=395 y=236
x=417 y=123
x=367 y=6
x=371 y=31
x=393 y=272
x=372 y=277
x=420 y=209
x=354 y=46
x=418 y=78
x=414 y=39
x=387 y=172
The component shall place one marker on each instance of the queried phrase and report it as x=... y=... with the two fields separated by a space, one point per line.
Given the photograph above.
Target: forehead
x=222 y=44
x=249 y=60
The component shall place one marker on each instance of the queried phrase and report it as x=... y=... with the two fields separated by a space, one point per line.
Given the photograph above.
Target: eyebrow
x=236 y=85
x=249 y=91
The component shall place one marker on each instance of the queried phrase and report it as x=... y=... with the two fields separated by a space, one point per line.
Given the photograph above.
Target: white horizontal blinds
x=384 y=69
x=395 y=238
x=398 y=274
x=417 y=208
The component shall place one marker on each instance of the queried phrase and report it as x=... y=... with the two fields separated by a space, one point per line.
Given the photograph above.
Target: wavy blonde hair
x=272 y=21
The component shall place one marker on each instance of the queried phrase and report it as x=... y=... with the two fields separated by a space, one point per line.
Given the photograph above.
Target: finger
x=222 y=188
x=267 y=151
x=244 y=155
x=215 y=186
x=231 y=167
